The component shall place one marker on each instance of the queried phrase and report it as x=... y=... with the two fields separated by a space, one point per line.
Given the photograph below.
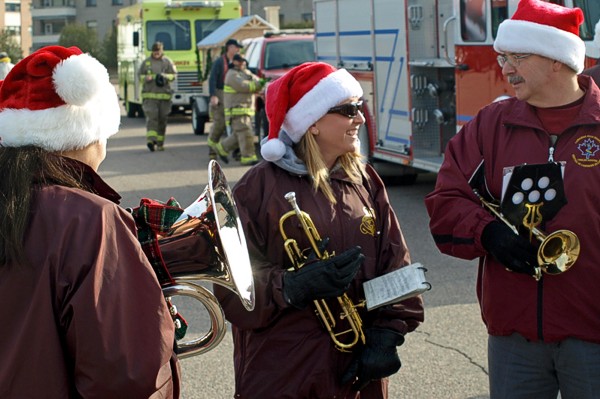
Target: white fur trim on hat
x=329 y=92
x=272 y=150
x=517 y=36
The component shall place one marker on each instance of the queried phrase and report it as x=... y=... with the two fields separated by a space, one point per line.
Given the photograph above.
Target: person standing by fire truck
x=239 y=89
x=157 y=72
x=216 y=81
x=543 y=332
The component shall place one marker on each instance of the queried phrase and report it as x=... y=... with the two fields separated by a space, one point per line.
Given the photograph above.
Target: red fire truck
x=426 y=68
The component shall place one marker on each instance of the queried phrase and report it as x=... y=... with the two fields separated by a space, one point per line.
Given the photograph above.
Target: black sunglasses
x=350 y=109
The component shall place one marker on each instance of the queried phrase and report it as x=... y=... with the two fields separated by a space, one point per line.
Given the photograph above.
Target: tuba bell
x=206 y=243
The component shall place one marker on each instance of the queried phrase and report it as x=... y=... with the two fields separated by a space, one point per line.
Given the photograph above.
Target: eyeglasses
x=350 y=109
x=513 y=60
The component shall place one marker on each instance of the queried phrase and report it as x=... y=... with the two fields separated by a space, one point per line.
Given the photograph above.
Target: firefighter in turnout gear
x=240 y=86
x=157 y=72
x=216 y=81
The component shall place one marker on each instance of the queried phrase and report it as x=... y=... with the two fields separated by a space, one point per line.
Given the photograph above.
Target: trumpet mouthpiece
x=291 y=196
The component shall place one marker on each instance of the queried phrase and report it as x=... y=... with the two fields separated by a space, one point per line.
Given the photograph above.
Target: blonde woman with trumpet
x=82 y=314
x=282 y=350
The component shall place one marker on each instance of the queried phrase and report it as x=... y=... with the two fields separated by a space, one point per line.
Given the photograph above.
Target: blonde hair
x=308 y=151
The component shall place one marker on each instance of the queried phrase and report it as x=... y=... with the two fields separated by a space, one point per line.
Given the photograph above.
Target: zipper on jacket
x=553 y=140
x=540 y=309
x=540 y=285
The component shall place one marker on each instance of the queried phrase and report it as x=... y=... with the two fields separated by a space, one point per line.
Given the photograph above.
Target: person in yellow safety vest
x=5 y=65
x=157 y=73
x=240 y=86
x=216 y=81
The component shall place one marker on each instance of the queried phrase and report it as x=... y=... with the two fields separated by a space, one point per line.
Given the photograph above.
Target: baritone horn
x=298 y=258
x=558 y=251
x=207 y=243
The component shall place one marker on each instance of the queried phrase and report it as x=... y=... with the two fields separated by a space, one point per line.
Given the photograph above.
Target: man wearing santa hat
x=541 y=309
x=282 y=350
x=82 y=312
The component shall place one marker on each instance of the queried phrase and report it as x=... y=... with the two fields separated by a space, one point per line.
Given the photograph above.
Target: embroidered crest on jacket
x=367 y=226
x=587 y=153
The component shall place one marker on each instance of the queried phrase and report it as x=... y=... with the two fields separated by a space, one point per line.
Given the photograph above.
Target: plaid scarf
x=154 y=218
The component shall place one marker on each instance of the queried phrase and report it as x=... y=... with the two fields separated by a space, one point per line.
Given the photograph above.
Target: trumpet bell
x=558 y=252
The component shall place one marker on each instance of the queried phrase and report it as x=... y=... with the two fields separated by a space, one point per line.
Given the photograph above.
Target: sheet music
x=396 y=286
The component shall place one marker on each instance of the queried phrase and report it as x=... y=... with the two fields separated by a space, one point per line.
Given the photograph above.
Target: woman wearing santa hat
x=82 y=312
x=281 y=348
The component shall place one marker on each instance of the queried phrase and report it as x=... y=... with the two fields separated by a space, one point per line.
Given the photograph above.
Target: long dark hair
x=24 y=169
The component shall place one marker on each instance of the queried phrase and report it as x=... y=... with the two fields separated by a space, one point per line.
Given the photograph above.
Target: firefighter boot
x=151 y=138
x=249 y=161
x=218 y=148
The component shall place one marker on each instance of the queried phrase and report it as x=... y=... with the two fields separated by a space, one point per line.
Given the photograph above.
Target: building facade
x=290 y=11
x=15 y=19
x=38 y=23
x=50 y=16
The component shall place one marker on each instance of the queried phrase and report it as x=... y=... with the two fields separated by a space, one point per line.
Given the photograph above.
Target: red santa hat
x=545 y=29
x=298 y=99
x=58 y=99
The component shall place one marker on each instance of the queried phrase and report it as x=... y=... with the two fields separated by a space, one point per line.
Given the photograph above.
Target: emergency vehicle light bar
x=186 y=4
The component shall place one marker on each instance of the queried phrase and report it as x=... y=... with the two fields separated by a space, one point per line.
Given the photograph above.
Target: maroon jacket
x=508 y=133
x=87 y=318
x=280 y=351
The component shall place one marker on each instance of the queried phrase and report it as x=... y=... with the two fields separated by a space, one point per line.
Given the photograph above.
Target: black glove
x=378 y=359
x=160 y=80
x=328 y=278
x=512 y=250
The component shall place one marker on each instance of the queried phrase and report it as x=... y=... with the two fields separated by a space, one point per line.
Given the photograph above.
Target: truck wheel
x=134 y=110
x=396 y=175
x=365 y=148
x=131 y=109
x=261 y=126
x=198 y=122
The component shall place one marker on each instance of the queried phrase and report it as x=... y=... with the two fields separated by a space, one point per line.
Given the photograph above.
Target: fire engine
x=179 y=25
x=426 y=68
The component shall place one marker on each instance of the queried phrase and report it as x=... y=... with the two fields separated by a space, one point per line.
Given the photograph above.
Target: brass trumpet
x=298 y=258
x=558 y=251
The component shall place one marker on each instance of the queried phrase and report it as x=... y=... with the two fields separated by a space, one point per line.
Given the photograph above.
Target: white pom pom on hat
x=298 y=99
x=545 y=29
x=58 y=99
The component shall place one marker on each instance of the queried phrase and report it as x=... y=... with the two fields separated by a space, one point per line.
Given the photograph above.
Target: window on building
x=48 y=29
x=117 y=2
x=13 y=30
x=12 y=7
x=93 y=25
x=90 y=3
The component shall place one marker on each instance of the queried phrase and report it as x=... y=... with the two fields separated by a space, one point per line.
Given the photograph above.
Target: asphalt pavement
x=445 y=358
